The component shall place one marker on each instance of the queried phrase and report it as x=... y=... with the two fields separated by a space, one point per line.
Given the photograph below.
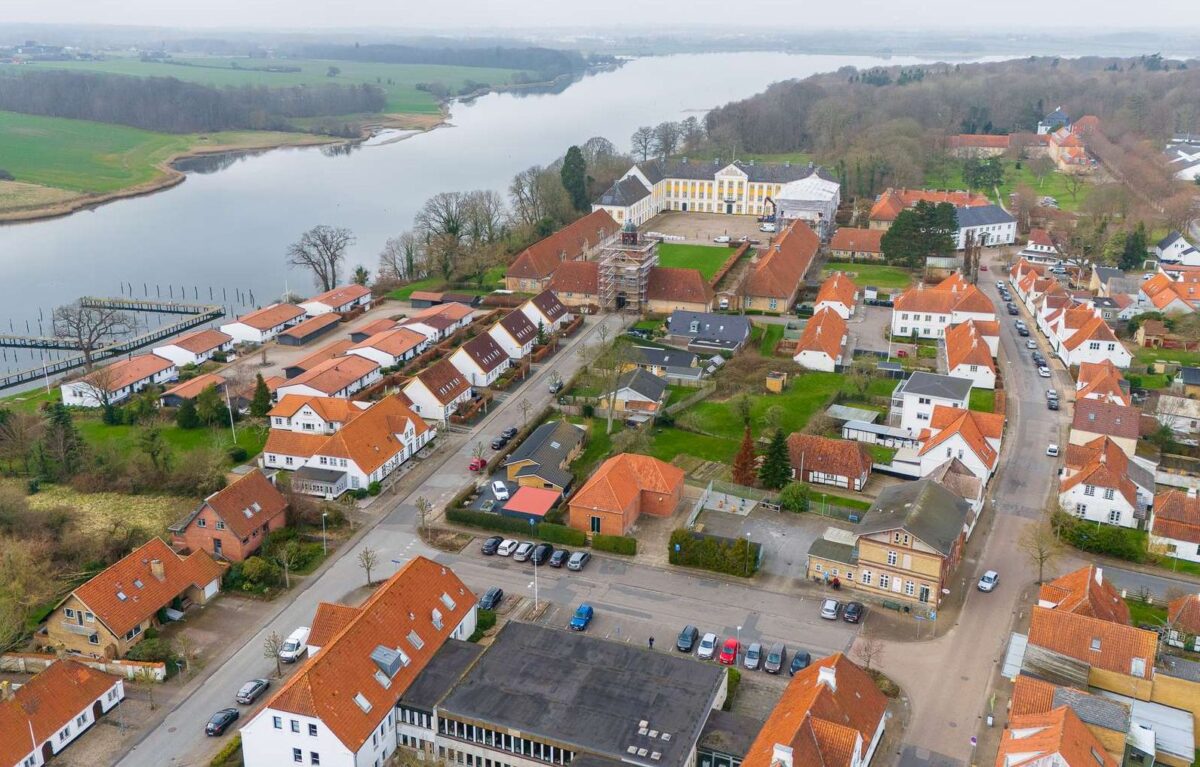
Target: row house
x=927 y=312
x=515 y=334
x=1102 y=381
x=838 y=293
x=969 y=353
x=341 y=300
x=1080 y=334
x=329 y=351
x=823 y=343
x=775 y=276
x=545 y=311
x=1095 y=418
x=481 y=360
x=1101 y=484
x=53 y=709
x=337 y=377
x=264 y=324
x=115 y=383
x=438 y=391
x=1175 y=525
x=391 y=348
x=309 y=414
x=968 y=435
x=196 y=348
x=437 y=323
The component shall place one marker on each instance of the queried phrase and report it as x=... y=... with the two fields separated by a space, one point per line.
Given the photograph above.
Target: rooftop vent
x=389 y=660
x=631 y=750
x=415 y=640
x=656 y=755
x=666 y=736
x=653 y=733
x=644 y=723
x=642 y=731
x=642 y=751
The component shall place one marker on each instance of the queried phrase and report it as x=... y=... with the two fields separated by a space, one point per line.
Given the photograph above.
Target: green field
x=124 y=439
x=706 y=258
x=1053 y=184
x=983 y=400
x=399 y=81
x=875 y=275
x=796 y=158
x=1144 y=356
x=771 y=336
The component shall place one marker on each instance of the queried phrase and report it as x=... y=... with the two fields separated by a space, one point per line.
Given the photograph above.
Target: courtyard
x=701 y=228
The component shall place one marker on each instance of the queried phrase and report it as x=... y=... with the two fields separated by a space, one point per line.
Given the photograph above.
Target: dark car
x=687 y=639
x=776 y=657
x=220 y=721
x=853 y=612
x=1023 y=331
x=1052 y=404
x=509 y=433
x=541 y=553
x=490 y=545
x=559 y=558
x=251 y=690
x=498 y=443
x=1012 y=309
x=491 y=598
x=800 y=661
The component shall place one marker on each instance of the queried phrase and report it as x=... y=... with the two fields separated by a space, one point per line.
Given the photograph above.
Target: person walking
x=651 y=643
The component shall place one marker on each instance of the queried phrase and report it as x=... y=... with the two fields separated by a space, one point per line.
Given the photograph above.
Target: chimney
x=1099 y=576
x=156 y=569
x=5 y=689
x=827 y=675
x=781 y=755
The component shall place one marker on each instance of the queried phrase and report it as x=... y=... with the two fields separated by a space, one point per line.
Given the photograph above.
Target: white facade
x=916 y=410
x=932 y=324
x=243 y=333
x=1178 y=251
x=429 y=407
x=843 y=311
x=509 y=344
x=1096 y=351
x=811 y=359
x=79 y=724
x=1098 y=504
x=82 y=393
x=357 y=477
x=956 y=447
x=181 y=356
x=1178 y=548
x=530 y=310
x=348 y=390
x=475 y=374
x=989 y=235
x=981 y=376
x=314 y=308
x=306 y=420
x=386 y=360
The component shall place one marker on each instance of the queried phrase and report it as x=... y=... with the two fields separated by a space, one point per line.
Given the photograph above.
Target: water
x=223 y=232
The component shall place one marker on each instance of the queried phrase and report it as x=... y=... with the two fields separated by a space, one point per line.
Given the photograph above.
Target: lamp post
x=324 y=540
x=746 y=564
x=532 y=524
x=739 y=645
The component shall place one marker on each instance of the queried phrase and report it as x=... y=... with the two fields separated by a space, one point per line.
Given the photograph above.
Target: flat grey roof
x=319 y=475
x=848 y=413
x=933 y=385
x=444 y=669
x=1174 y=729
x=728 y=733
x=589 y=693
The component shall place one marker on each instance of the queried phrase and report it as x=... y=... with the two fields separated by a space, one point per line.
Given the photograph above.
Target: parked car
x=753 y=656
x=559 y=557
x=1052 y=450
x=477 y=464
x=221 y=721
x=556 y=385
x=983 y=267
x=1052 y=404
x=1023 y=331
x=687 y=639
x=294 y=646
x=579 y=560
x=768 y=227
x=491 y=598
x=500 y=490
x=800 y=661
x=524 y=551
x=1000 y=284
x=721 y=239
x=988 y=581
x=853 y=612
x=776 y=657
x=583 y=616
x=1012 y=309
x=831 y=609
x=251 y=690
x=1031 y=344
x=498 y=443
x=490 y=545
x=541 y=553
x=509 y=433
x=729 y=652
x=1052 y=393
x=708 y=646
x=506 y=547
x=1043 y=371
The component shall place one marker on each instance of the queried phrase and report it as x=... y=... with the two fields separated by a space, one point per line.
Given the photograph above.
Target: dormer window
x=437 y=619
x=1096 y=644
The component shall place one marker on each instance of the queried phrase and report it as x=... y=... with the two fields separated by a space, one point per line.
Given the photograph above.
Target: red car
x=729 y=652
x=983 y=267
x=477 y=464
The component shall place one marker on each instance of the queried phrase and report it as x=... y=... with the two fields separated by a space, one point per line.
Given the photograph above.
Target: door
x=729 y=208
x=217 y=546
x=595 y=524
x=685 y=207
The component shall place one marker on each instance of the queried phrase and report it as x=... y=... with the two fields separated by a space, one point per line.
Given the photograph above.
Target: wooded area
x=546 y=62
x=173 y=106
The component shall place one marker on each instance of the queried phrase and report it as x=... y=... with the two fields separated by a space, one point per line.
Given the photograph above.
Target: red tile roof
x=857 y=240
x=1162 y=291
x=293 y=443
x=949 y=295
x=540 y=259
x=820 y=719
x=327 y=686
x=340 y=296
x=312 y=325
x=965 y=345
x=968 y=424
x=977 y=141
x=1108 y=467
x=824 y=333
x=329 y=621
x=201 y=341
x=395 y=342
x=1184 y=614
x=1085 y=592
x=117 y=600
x=621 y=479
x=370 y=439
x=127 y=372
x=1040 y=237
x=271 y=316
x=780 y=269
x=839 y=457
x=837 y=289
x=1101 y=417
x=1031 y=695
x=580 y=277
x=1095 y=329
x=1102 y=379
x=1035 y=739
x=532 y=501
x=332 y=376
x=889 y=204
x=1177 y=516
x=47 y=703
x=191 y=388
x=1100 y=643
x=248 y=503
x=331 y=409
x=326 y=352
x=677 y=285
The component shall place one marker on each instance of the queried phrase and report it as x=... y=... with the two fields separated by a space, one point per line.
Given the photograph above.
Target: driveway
x=868 y=326
x=701 y=228
x=785 y=538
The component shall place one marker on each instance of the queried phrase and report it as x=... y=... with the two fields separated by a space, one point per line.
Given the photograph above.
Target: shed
x=310 y=329
x=423 y=299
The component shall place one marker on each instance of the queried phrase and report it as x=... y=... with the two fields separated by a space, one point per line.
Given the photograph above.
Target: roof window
x=362 y=702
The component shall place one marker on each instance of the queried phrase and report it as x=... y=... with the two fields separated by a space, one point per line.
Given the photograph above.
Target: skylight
x=448 y=601
x=415 y=640
x=137 y=582
x=121 y=596
x=362 y=702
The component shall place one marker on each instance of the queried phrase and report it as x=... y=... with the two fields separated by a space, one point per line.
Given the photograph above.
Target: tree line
x=548 y=62
x=174 y=106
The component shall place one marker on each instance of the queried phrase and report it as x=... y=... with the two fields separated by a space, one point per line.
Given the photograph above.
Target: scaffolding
x=625 y=266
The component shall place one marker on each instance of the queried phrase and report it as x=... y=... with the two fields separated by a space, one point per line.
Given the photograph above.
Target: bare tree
x=288 y=557
x=403 y=257
x=525 y=408
x=525 y=194
x=99 y=383
x=321 y=250
x=443 y=214
x=610 y=363
x=597 y=148
x=869 y=650
x=1073 y=183
x=368 y=560
x=19 y=432
x=1041 y=166
x=1042 y=547
x=424 y=507
x=485 y=216
x=692 y=133
x=90 y=328
x=643 y=142
x=272 y=646
x=666 y=138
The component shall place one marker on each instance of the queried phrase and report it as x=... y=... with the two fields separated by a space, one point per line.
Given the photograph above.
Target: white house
x=481 y=360
x=337 y=377
x=196 y=348
x=1101 y=381
x=917 y=396
x=392 y=347
x=985 y=225
x=341 y=300
x=515 y=334
x=51 y=710
x=1175 y=249
x=308 y=414
x=438 y=323
x=366 y=449
x=383 y=647
x=1181 y=415
x=822 y=344
x=838 y=293
x=546 y=310
x=115 y=383
x=926 y=312
x=438 y=391
x=1175 y=525
x=969 y=355
x=967 y=435
x=1080 y=335
x=262 y=325
x=1097 y=485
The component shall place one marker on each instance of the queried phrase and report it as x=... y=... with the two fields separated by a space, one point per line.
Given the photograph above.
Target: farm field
x=877 y=275
x=706 y=258
x=399 y=81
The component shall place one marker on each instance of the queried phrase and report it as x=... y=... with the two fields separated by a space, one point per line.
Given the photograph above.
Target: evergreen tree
x=901 y=243
x=63 y=447
x=1134 y=252
x=186 y=417
x=776 y=469
x=541 y=334
x=743 y=463
x=261 y=403
x=574 y=178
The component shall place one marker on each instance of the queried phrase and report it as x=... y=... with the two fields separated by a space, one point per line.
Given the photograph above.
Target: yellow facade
x=1122 y=684
x=70 y=628
x=890 y=566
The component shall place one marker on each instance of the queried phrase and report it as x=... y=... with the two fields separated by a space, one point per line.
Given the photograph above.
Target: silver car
x=708 y=647
x=831 y=609
x=523 y=552
x=776 y=657
x=753 y=656
x=989 y=580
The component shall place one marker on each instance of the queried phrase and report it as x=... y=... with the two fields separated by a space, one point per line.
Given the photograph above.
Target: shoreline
x=172 y=177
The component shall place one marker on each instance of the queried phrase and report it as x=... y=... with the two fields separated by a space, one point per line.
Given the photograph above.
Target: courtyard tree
x=260 y=404
x=90 y=328
x=272 y=646
x=1041 y=546
x=321 y=250
x=795 y=497
x=743 y=462
x=776 y=469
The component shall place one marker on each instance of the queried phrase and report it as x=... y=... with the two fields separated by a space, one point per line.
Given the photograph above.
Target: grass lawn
x=670 y=442
x=677 y=393
x=653 y=326
x=815 y=498
x=98 y=511
x=1179 y=356
x=983 y=400
x=705 y=258
x=796 y=158
x=881 y=453
x=1148 y=380
x=597 y=447
x=1053 y=185
x=399 y=81
x=405 y=293
x=806 y=393
x=30 y=401
x=182 y=441
x=1140 y=612
x=876 y=275
x=771 y=336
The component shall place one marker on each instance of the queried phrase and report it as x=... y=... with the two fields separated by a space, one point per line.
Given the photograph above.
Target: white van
x=766 y=227
x=293 y=648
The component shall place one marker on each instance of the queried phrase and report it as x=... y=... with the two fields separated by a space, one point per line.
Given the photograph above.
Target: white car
x=294 y=647
x=708 y=646
x=768 y=227
x=1030 y=343
x=988 y=581
x=721 y=238
x=831 y=609
x=1043 y=371
x=500 y=490
x=1052 y=451
x=506 y=547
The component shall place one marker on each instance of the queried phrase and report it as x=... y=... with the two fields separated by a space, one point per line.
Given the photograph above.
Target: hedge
x=734 y=678
x=484 y=620
x=1120 y=542
x=568 y=536
x=615 y=544
x=547 y=532
x=225 y=756
x=709 y=552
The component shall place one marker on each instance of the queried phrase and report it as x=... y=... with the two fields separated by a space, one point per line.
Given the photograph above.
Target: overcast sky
x=1030 y=16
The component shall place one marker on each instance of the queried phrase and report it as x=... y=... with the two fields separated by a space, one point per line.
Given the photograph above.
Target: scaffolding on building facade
x=625 y=266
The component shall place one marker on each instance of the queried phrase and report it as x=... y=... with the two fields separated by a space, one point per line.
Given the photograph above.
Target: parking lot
x=785 y=538
x=701 y=228
x=869 y=326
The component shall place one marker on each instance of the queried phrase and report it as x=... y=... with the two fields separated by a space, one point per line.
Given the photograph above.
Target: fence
x=729 y=262
x=702 y=393
x=29 y=663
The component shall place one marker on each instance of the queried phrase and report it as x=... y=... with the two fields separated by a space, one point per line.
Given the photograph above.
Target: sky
x=657 y=16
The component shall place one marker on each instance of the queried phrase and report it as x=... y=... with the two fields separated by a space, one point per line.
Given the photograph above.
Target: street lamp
x=532 y=525
x=739 y=645
x=746 y=564
x=324 y=540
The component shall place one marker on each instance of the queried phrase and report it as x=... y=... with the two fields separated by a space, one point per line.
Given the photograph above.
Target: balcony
x=72 y=627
